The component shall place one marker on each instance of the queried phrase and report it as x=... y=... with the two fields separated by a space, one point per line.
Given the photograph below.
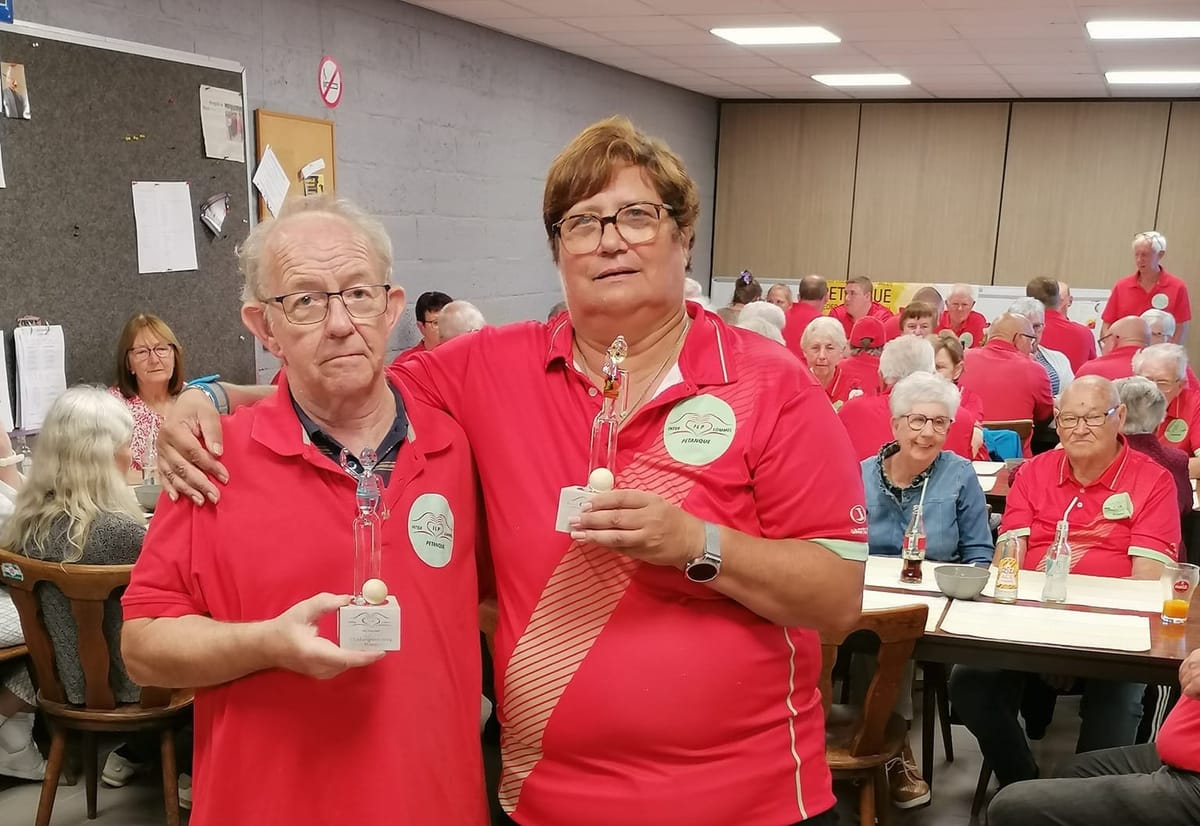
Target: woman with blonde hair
x=74 y=507
x=149 y=374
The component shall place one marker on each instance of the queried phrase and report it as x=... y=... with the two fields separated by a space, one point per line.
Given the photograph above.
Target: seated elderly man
x=1167 y=365
x=1119 y=344
x=809 y=304
x=1162 y=331
x=1056 y=364
x=459 y=318
x=960 y=317
x=233 y=600
x=824 y=345
x=1124 y=522
x=870 y=420
x=1002 y=374
x=1144 y=411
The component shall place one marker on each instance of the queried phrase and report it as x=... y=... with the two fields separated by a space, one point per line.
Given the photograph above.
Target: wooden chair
x=859 y=742
x=1022 y=427
x=11 y=652
x=87 y=587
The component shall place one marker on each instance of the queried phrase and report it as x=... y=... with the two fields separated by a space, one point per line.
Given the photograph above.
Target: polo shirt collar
x=706 y=358
x=1109 y=479
x=1001 y=344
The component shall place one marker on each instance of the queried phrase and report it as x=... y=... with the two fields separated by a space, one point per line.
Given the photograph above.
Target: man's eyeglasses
x=917 y=422
x=1069 y=421
x=1028 y=336
x=1166 y=384
x=1106 y=337
x=143 y=353
x=635 y=223
x=312 y=306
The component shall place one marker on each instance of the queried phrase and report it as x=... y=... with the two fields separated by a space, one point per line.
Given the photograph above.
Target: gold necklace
x=675 y=349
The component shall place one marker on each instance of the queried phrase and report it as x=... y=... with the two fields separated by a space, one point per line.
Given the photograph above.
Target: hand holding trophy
x=371 y=622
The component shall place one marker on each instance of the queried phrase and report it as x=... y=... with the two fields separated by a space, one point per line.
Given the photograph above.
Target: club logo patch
x=699 y=430
x=431 y=529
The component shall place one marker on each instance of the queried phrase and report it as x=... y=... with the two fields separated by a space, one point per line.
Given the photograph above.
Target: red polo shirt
x=1180 y=427
x=419 y=347
x=1074 y=340
x=868 y=422
x=877 y=310
x=396 y=741
x=1131 y=298
x=1113 y=365
x=1178 y=740
x=619 y=726
x=850 y=382
x=798 y=317
x=970 y=332
x=864 y=367
x=1011 y=384
x=1130 y=511
x=970 y=403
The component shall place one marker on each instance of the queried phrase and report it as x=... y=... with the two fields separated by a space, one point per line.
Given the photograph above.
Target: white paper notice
x=271 y=181
x=222 y=120
x=873 y=600
x=41 y=372
x=313 y=168
x=6 y=415
x=1047 y=626
x=166 y=237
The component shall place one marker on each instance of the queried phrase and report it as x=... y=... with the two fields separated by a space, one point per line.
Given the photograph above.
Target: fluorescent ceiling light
x=1142 y=29
x=1156 y=78
x=777 y=35
x=881 y=79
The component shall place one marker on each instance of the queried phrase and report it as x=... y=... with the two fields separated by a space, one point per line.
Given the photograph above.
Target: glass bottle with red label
x=912 y=550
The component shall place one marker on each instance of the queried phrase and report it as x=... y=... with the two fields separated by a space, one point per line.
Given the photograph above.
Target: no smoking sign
x=329 y=81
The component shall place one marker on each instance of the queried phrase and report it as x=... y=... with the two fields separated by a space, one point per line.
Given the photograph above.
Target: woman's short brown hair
x=589 y=162
x=126 y=381
x=946 y=340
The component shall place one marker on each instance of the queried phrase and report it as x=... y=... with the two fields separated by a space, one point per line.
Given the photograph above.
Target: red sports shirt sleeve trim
x=1155 y=531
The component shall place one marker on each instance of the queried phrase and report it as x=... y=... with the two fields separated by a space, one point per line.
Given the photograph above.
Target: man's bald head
x=1129 y=331
x=962 y=290
x=1097 y=391
x=1009 y=325
x=813 y=288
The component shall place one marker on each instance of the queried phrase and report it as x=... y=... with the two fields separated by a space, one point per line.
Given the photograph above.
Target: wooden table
x=999 y=492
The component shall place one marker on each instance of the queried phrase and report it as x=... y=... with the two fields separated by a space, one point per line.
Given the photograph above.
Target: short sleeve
x=1110 y=313
x=1155 y=531
x=1018 y=508
x=164 y=581
x=807 y=484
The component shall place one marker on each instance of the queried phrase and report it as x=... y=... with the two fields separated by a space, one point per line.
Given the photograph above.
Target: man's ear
x=254 y=316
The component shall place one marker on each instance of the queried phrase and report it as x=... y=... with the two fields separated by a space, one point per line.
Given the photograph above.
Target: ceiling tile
x=557 y=8
x=479 y=10
x=622 y=23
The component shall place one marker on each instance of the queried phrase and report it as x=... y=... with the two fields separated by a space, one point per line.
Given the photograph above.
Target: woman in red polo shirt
x=824 y=346
x=672 y=629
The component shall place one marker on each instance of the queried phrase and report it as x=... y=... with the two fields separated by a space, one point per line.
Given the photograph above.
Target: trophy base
x=570 y=500
x=370 y=627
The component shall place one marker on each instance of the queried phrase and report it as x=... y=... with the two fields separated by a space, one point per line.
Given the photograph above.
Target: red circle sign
x=329 y=81
x=1181 y=586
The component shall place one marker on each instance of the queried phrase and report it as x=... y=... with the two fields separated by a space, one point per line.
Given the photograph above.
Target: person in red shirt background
x=1124 y=522
x=1166 y=366
x=825 y=348
x=858 y=303
x=1006 y=378
x=1152 y=784
x=948 y=359
x=1124 y=338
x=428 y=309
x=809 y=304
x=1149 y=287
x=960 y=317
x=866 y=345
x=916 y=319
x=781 y=296
x=1074 y=340
x=1162 y=331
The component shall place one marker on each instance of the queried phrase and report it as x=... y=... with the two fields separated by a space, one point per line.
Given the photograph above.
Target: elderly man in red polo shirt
x=1118 y=346
x=702 y=582
x=858 y=303
x=1074 y=340
x=231 y=600
x=809 y=304
x=1124 y=522
x=1149 y=287
x=1154 y=784
x=1166 y=365
x=1004 y=375
x=960 y=317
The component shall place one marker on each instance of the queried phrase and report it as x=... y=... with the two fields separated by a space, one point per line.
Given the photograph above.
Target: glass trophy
x=371 y=622
x=602 y=453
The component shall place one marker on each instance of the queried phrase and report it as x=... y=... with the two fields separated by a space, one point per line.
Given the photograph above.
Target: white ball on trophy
x=601 y=479
x=375 y=591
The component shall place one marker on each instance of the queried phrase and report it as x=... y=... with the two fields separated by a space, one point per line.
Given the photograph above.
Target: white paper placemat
x=874 y=600
x=987 y=468
x=1096 y=591
x=1047 y=626
x=986 y=482
x=884 y=572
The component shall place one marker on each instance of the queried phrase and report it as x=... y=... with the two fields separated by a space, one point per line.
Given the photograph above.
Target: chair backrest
x=1022 y=427
x=87 y=588
x=898 y=630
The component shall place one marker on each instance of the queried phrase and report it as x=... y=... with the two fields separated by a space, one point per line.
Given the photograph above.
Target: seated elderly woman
x=824 y=346
x=869 y=419
x=76 y=508
x=764 y=318
x=1145 y=408
x=149 y=378
x=1123 y=521
x=1167 y=365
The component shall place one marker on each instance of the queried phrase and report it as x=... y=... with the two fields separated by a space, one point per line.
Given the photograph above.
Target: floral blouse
x=145 y=426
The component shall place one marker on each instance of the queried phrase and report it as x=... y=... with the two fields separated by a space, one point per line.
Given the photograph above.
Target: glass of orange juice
x=1179 y=582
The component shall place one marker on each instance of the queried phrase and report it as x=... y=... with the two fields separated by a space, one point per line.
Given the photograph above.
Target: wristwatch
x=705 y=567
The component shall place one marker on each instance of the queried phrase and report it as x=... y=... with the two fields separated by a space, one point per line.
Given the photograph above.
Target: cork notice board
x=296 y=141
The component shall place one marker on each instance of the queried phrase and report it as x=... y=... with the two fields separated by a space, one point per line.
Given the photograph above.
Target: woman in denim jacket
x=956 y=524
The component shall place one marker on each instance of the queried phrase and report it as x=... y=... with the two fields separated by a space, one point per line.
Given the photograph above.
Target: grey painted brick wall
x=444 y=131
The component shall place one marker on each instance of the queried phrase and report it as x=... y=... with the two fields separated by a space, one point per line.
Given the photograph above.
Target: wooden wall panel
x=1081 y=180
x=785 y=188
x=1179 y=207
x=927 y=192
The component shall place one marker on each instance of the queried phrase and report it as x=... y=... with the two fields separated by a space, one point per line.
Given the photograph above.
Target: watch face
x=701 y=571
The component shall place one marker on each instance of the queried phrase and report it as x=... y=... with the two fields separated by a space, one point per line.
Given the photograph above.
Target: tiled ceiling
x=947 y=48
